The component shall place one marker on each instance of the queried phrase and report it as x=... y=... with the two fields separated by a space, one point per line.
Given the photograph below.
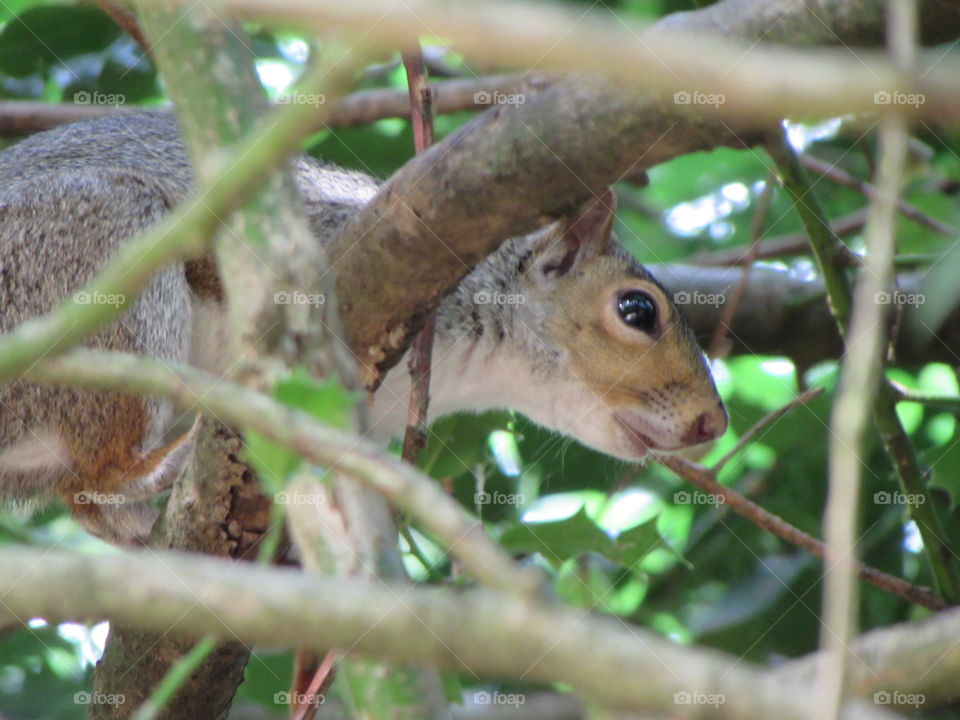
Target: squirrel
x=561 y=325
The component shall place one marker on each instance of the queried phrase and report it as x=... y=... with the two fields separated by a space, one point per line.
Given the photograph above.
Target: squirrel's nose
x=708 y=426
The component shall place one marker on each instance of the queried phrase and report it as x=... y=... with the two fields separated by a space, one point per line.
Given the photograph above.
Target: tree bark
x=782 y=314
x=506 y=636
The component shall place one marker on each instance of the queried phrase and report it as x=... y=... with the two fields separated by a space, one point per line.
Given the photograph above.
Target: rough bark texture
x=222 y=513
x=860 y=22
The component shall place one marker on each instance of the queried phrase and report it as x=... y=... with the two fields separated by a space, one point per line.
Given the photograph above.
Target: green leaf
x=945 y=464
x=634 y=544
x=939 y=294
x=766 y=382
x=273 y=462
x=452 y=687
x=9 y=8
x=133 y=81
x=584 y=582
x=49 y=36
x=372 y=689
x=559 y=540
x=327 y=399
x=565 y=464
x=458 y=443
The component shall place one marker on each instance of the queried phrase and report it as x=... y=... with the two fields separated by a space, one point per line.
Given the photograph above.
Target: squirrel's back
x=69 y=200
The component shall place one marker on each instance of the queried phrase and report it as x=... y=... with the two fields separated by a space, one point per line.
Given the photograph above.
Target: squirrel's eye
x=638 y=310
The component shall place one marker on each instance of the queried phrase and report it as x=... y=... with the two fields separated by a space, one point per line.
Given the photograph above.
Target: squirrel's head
x=623 y=367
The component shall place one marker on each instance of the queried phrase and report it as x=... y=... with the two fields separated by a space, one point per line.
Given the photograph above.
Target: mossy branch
x=341 y=452
x=187 y=232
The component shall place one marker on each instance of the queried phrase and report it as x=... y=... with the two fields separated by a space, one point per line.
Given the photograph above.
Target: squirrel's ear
x=578 y=236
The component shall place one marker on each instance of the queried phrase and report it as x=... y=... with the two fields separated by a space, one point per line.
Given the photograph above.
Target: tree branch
x=20 y=117
x=784 y=314
x=705 y=479
x=699 y=51
x=339 y=451
x=506 y=635
x=421 y=351
x=841 y=177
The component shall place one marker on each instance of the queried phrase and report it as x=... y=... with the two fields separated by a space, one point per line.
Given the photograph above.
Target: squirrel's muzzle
x=709 y=425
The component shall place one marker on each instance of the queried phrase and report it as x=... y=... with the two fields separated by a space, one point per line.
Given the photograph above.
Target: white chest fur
x=465 y=377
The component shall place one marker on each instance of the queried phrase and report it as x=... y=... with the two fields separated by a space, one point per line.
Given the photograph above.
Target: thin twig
x=705 y=479
x=733 y=302
x=849 y=424
x=20 y=117
x=905 y=394
x=313 y=695
x=841 y=177
x=127 y=21
x=828 y=252
x=768 y=419
x=796 y=243
x=421 y=350
x=861 y=374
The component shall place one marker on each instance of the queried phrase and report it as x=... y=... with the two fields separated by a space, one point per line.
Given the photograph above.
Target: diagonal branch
x=339 y=451
x=705 y=479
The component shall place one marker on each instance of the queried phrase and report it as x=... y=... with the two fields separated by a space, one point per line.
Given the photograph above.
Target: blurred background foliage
x=630 y=541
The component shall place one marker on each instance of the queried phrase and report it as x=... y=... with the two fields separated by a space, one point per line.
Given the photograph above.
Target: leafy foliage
x=630 y=541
